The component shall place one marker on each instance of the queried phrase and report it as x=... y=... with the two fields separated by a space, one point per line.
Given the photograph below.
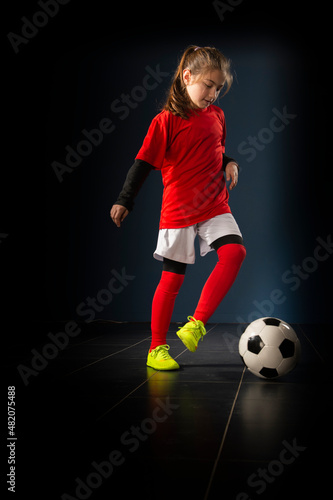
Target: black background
x=56 y=85
x=49 y=260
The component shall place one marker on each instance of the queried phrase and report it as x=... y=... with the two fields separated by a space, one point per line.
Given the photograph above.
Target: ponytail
x=198 y=60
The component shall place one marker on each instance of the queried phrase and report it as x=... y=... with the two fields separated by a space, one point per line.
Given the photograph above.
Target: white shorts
x=178 y=244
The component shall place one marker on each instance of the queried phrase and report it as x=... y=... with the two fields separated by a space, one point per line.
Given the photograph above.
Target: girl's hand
x=231 y=172
x=118 y=214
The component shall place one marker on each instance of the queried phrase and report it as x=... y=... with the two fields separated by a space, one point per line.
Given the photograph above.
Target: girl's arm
x=136 y=176
x=231 y=168
x=226 y=160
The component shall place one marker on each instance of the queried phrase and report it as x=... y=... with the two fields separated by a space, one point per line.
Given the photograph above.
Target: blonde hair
x=199 y=60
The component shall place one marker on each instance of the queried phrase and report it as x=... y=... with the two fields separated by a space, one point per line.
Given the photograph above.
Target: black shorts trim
x=172 y=266
x=227 y=240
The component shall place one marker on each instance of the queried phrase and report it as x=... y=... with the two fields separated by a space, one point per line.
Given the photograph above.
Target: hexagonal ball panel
x=287 y=348
x=255 y=344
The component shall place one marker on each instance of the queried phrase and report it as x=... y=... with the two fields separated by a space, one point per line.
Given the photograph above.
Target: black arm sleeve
x=136 y=176
x=226 y=160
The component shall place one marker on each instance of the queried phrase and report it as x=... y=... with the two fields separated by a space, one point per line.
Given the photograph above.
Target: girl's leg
x=164 y=299
x=231 y=253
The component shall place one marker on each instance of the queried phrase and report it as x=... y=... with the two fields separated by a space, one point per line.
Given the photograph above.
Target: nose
x=213 y=94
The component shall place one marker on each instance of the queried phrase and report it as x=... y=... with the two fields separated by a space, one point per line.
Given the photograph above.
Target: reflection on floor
x=93 y=421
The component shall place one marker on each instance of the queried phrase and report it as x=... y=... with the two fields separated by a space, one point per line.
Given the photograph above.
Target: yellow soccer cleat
x=160 y=359
x=191 y=333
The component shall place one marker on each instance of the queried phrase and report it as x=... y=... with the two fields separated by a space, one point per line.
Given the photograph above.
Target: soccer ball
x=269 y=348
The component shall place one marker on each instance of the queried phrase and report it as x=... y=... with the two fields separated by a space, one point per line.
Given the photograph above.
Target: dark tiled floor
x=209 y=431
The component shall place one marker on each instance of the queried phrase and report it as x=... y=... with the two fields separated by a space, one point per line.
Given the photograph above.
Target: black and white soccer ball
x=269 y=348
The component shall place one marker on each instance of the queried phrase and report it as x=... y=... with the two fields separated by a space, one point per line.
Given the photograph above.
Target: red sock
x=162 y=308
x=219 y=282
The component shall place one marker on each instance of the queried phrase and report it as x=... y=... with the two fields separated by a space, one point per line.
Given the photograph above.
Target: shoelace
x=197 y=332
x=162 y=350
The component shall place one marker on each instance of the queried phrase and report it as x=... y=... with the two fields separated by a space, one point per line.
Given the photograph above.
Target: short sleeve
x=155 y=143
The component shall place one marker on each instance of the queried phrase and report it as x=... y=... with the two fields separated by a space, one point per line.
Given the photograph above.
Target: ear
x=187 y=76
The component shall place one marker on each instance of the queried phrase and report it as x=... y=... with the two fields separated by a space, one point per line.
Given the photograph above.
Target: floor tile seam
x=178 y=355
x=134 y=390
x=312 y=345
x=199 y=382
x=73 y=345
x=67 y=358
x=108 y=344
x=245 y=460
x=203 y=350
x=207 y=460
x=181 y=398
x=263 y=382
x=105 y=357
x=211 y=328
x=125 y=397
x=224 y=437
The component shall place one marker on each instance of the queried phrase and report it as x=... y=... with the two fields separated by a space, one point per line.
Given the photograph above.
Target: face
x=204 y=91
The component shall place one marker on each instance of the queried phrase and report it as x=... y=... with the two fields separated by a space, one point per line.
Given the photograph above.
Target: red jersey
x=189 y=154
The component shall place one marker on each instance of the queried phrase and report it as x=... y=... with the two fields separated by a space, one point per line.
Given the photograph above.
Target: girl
x=186 y=141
